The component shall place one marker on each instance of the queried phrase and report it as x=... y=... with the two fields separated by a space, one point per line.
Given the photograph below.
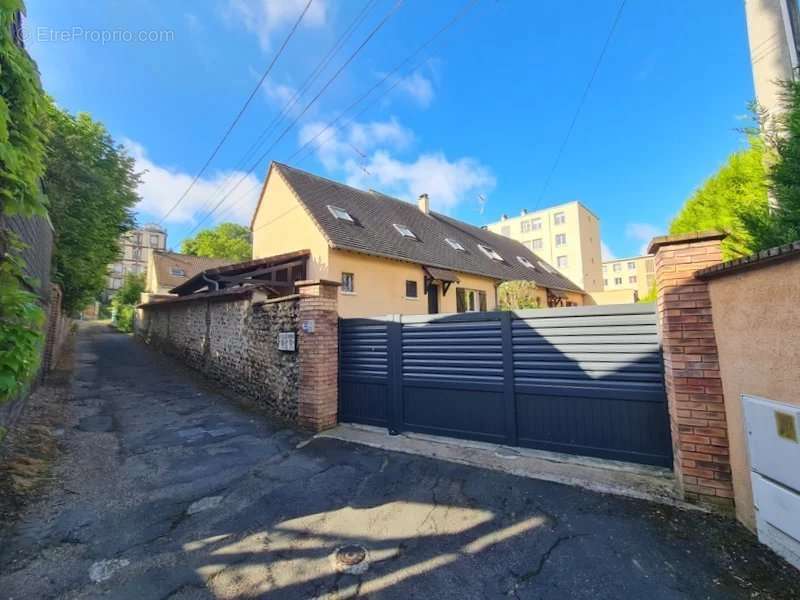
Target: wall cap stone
x=310 y=282
x=684 y=238
x=764 y=258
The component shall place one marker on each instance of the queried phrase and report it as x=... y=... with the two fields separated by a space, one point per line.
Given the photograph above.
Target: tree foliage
x=124 y=302
x=782 y=134
x=729 y=201
x=226 y=240
x=92 y=188
x=518 y=295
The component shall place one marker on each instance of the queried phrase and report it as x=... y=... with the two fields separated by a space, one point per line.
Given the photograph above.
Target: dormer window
x=455 y=244
x=176 y=272
x=341 y=214
x=404 y=231
x=525 y=262
x=490 y=252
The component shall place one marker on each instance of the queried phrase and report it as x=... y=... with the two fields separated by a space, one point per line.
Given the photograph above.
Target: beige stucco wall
x=757 y=326
x=283 y=225
x=604 y=298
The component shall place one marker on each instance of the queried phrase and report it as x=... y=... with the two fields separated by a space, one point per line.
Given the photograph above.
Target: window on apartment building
x=632 y=279
x=137 y=254
x=617 y=267
x=470 y=300
x=537 y=244
x=559 y=218
x=561 y=239
x=154 y=241
x=605 y=283
x=649 y=265
x=505 y=230
x=404 y=231
x=138 y=239
x=617 y=280
x=411 y=289
x=631 y=265
x=455 y=244
x=348 y=283
x=490 y=252
x=536 y=224
x=561 y=262
x=525 y=226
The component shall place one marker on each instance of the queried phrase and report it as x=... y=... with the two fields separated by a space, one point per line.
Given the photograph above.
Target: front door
x=433 y=299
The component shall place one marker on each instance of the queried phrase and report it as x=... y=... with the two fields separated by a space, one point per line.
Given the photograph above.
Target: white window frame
x=490 y=252
x=632 y=279
x=405 y=231
x=617 y=268
x=560 y=218
x=535 y=246
x=341 y=214
x=525 y=262
x=525 y=226
x=546 y=267
x=352 y=287
x=631 y=265
x=558 y=262
x=561 y=240
x=536 y=224
x=455 y=244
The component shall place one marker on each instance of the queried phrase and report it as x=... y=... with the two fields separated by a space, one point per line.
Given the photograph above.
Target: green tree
x=729 y=201
x=782 y=225
x=518 y=295
x=124 y=302
x=91 y=184
x=226 y=240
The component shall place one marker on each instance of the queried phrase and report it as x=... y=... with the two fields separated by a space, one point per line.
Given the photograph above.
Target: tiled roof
x=754 y=261
x=192 y=265
x=374 y=232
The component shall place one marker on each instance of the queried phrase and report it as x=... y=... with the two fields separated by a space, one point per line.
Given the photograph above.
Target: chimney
x=524 y=211
x=424 y=203
x=504 y=217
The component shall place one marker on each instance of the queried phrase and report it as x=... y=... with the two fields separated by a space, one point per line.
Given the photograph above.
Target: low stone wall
x=232 y=338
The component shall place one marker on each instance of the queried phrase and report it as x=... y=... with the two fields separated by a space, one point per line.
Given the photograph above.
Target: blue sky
x=485 y=114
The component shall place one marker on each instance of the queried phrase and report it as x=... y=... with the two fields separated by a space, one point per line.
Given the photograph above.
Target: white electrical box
x=773 y=442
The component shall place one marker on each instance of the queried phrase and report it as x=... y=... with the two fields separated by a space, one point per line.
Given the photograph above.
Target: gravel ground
x=164 y=488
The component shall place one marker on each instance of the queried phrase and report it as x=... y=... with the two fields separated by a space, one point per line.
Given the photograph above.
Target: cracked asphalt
x=167 y=489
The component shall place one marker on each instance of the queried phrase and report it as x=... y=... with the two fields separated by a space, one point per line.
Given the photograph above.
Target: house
x=566 y=236
x=168 y=270
x=137 y=247
x=392 y=256
x=636 y=273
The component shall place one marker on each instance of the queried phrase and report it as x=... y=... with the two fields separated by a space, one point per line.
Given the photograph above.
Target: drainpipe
x=213 y=282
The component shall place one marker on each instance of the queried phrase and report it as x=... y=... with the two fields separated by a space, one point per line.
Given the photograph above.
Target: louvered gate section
x=585 y=380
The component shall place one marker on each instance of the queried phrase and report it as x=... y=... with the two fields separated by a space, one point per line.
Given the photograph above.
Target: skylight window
x=490 y=252
x=341 y=214
x=404 y=231
x=546 y=267
x=525 y=262
x=455 y=244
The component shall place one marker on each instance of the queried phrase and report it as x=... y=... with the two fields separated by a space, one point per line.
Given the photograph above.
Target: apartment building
x=636 y=273
x=567 y=236
x=136 y=246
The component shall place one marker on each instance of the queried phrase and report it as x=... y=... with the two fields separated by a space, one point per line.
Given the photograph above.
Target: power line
x=241 y=112
x=288 y=128
x=459 y=15
x=580 y=103
x=268 y=130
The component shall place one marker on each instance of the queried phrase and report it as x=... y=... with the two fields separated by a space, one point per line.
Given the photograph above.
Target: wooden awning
x=443 y=275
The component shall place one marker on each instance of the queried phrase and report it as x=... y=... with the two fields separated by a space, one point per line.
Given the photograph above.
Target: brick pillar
x=318 y=348
x=691 y=367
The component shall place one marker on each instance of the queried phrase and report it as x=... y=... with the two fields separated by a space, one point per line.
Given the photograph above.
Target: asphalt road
x=167 y=489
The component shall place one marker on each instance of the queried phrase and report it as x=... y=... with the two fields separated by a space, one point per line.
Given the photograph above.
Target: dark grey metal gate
x=583 y=380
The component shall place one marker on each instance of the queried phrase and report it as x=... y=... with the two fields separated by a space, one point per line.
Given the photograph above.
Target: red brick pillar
x=318 y=348
x=691 y=367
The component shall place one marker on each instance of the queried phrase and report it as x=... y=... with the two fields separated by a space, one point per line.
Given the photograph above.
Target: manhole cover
x=351 y=559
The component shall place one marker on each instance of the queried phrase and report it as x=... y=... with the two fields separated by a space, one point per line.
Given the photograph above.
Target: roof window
x=341 y=214
x=177 y=272
x=490 y=252
x=525 y=262
x=546 y=267
x=404 y=231
x=455 y=244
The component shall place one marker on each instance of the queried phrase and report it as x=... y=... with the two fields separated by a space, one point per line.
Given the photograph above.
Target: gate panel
x=453 y=376
x=363 y=371
x=592 y=383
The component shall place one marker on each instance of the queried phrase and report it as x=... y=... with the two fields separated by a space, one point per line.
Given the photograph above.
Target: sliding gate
x=583 y=380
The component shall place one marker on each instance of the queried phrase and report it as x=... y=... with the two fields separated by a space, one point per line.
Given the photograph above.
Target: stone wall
x=232 y=338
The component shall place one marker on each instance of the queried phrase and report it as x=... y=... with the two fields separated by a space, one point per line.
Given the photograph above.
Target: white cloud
x=606 y=252
x=446 y=182
x=264 y=17
x=418 y=87
x=642 y=232
x=162 y=186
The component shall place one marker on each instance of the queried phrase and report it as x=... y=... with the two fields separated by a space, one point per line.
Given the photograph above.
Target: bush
x=123 y=304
